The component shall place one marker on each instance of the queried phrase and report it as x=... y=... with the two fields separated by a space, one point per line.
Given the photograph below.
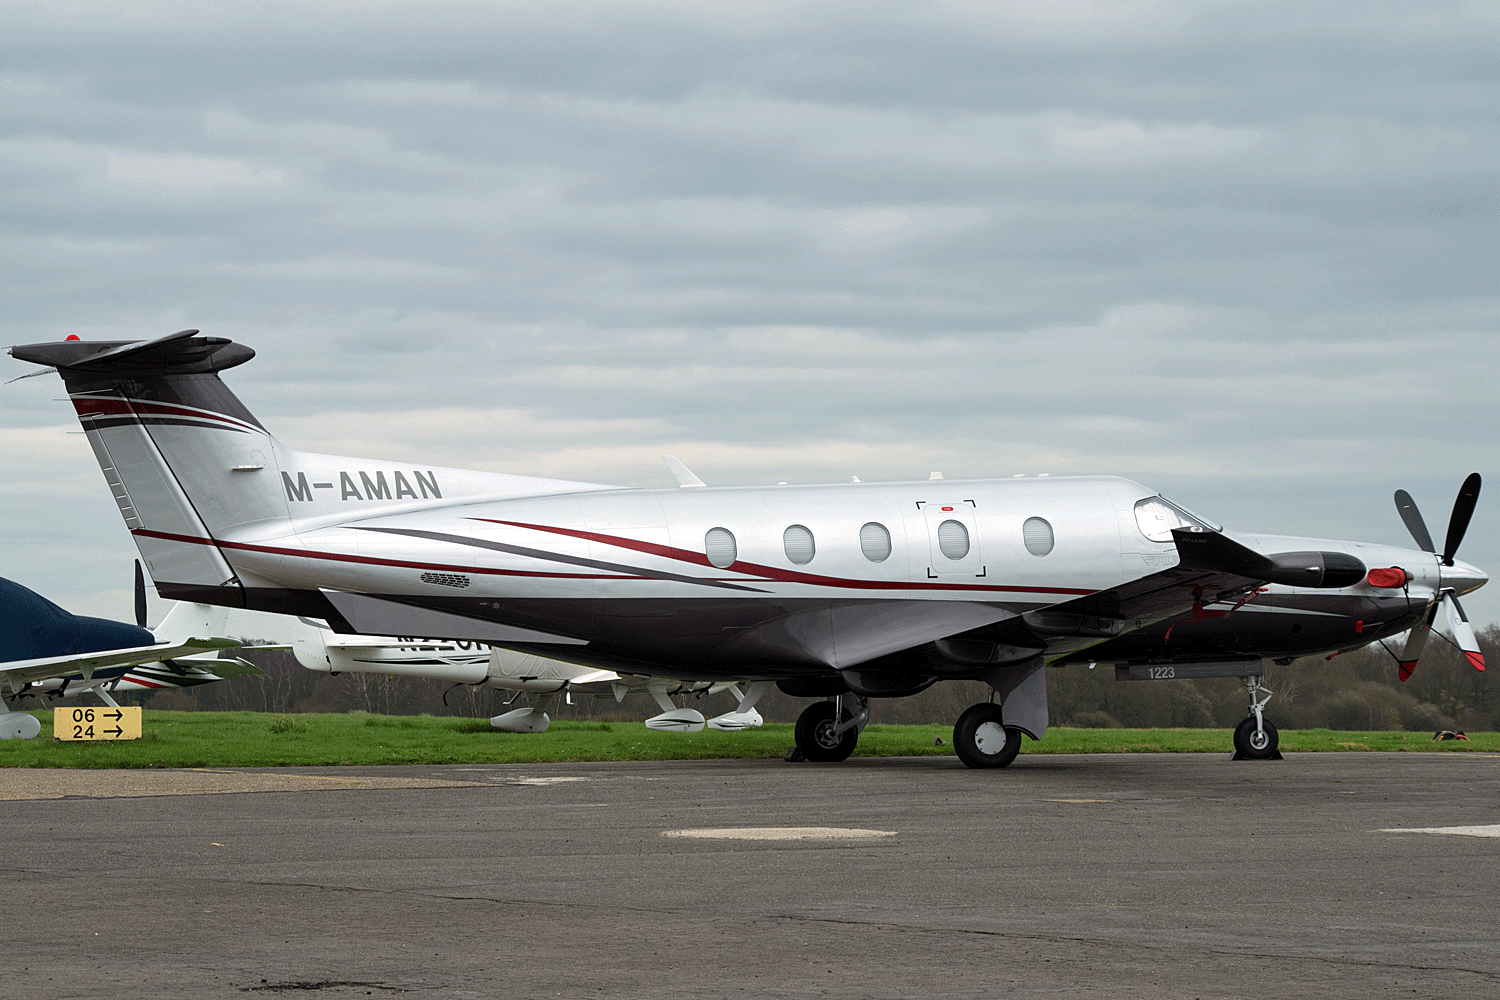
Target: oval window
x=798 y=542
x=1037 y=534
x=953 y=539
x=875 y=542
x=719 y=546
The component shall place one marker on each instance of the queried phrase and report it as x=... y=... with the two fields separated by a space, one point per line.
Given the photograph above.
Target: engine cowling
x=1323 y=570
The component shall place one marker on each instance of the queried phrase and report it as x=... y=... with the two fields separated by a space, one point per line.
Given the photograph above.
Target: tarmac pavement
x=1099 y=875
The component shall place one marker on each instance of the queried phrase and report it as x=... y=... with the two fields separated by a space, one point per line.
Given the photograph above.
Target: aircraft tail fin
x=184 y=458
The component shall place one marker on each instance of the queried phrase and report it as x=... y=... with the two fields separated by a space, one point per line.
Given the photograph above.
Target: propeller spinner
x=1458 y=622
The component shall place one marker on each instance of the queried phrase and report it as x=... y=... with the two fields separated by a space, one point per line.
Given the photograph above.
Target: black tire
x=816 y=738
x=983 y=740
x=1249 y=747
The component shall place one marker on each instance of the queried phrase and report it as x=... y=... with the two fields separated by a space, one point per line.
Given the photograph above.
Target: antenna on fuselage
x=685 y=477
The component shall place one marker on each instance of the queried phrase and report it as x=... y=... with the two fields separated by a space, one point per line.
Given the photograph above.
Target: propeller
x=140 y=595
x=1458 y=622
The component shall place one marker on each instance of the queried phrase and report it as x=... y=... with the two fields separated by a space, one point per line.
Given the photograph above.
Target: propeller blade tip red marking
x=1477 y=659
x=1407 y=666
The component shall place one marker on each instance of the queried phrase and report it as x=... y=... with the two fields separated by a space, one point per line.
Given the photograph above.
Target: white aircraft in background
x=318 y=647
x=837 y=592
x=49 y=653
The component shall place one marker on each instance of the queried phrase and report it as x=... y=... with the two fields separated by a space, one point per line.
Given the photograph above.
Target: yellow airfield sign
x=96 y=723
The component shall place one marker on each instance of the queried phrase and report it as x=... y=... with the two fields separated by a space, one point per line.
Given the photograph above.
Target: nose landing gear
x=1255 y=738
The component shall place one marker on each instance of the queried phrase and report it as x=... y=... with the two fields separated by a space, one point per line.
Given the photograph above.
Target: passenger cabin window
x=875 y=542
x=1037 y=534
x=1157 y=516
x=719 y=546
x=953 y=539
x=798 y=542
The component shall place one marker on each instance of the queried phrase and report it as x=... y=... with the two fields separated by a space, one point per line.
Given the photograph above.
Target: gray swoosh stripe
x=521 y=550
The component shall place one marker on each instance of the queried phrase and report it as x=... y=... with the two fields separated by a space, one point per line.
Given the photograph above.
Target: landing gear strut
x=981 y=738
x=828 y=730
x=1255 y=738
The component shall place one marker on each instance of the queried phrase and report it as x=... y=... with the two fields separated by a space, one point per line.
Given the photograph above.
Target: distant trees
x=1358 y=691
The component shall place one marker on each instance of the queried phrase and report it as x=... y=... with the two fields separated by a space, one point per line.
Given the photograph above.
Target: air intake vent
x=446 y=579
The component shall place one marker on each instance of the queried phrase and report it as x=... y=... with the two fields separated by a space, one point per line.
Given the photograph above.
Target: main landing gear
x=982 y=739
x=828 y=730
x=1255 y=738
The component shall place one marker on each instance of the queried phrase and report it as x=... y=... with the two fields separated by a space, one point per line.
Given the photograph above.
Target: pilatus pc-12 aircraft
x=840 y=593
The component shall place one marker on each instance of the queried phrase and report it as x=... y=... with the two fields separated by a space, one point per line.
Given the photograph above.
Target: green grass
x=248 y=739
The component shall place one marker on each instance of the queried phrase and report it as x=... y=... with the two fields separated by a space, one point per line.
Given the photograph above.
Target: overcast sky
x=1245 y=252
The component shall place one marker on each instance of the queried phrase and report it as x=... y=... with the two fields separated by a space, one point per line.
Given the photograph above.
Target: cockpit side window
x=1157 y=516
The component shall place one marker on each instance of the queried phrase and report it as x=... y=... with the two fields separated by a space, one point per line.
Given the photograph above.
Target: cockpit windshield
x=1157 y=516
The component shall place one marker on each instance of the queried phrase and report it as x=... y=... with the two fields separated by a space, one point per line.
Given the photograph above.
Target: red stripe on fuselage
x=773 y=573
x=371 y=560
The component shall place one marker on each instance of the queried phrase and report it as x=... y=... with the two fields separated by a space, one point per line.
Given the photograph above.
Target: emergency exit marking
x=96 y=723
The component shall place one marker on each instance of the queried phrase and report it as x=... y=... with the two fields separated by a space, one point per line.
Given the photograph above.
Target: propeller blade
x=1463 y=632
x=140 y=595
x=1415 y=643
x=1463 y=509
x=1412 y=518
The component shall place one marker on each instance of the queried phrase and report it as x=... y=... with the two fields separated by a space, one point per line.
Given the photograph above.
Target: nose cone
x=1464 y=577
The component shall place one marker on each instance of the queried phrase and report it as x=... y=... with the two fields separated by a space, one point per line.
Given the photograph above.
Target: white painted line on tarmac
x=557 y=780
x=1457 y=831
x=780 y=833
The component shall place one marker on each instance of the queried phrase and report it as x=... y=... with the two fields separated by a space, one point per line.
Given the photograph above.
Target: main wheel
x=982 y=738
x=816 y=738
x=1252 y=745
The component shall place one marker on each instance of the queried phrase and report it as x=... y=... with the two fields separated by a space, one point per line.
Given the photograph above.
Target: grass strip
x=252 y=739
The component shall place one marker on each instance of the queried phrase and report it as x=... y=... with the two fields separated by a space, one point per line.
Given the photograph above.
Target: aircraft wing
x=17 y=671
x=1212 y=569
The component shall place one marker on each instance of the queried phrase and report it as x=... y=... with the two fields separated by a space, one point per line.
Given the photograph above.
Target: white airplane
x=841 y=593
x=48 y=653
x=318 y=647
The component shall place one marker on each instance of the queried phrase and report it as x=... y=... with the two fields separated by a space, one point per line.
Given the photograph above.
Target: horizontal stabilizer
x=181 y=353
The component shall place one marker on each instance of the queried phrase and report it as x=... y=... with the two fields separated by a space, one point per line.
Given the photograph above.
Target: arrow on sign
x=115 y=731
x=117 y=714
